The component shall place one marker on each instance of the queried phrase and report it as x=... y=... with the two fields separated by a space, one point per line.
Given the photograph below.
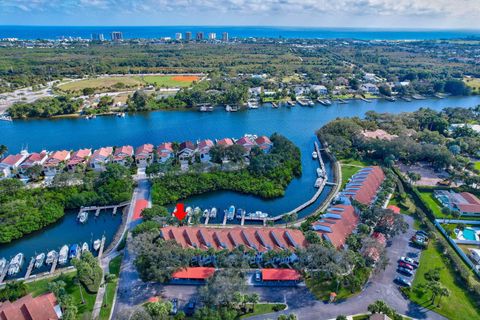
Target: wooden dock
x=225 y=212
x=54 y=264
x=207 y=219
x=30 y=268
x=242 y=222
x=97 y=209
x=102 y=246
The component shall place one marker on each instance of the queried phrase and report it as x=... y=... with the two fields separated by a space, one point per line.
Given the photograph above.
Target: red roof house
x=44 y=307
x=194 y=273
x=364 y=185
x=144 y=155
x=340 y=221
x=246 y=142
x=394 y=208
x=11 y=162
x=264 y=143
x=280 y=275
x=122 y=153
x=79 y=157
x=225 y=142
x=53 y=162
x=165 y=151
x=100 y=158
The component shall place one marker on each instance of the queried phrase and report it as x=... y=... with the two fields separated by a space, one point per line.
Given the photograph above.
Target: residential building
x=78 y=158
x=247 y=142
x=464 y=202
x=379 y=134
x=281 y=275
x=225 y=142
x=186 y=151
x=178 y=36
x=203 y=148
x=259 y=239
x=199 y=36
x=44 y=307
x=165 y=152
x=474 y=127
x=225 y=36
x=264 y=143
x=212 y=36
x=475 y=255
x=369 y=88
x=98 y=37
x=144 y=155
x=188 y=36
x=9 y=165
x=100 y=158
x=193 y=273
x=320 y=89
x=34 y=159
x=255 y=92
x=55 y=162
x=337 y=224
x=123 y=155
x=116 y=36
x=364 y=185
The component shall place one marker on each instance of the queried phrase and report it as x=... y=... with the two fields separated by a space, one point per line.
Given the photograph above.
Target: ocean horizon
x=153 y=32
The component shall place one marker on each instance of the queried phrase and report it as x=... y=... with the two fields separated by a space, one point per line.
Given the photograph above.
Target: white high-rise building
x=178 y=36
x=212 y=36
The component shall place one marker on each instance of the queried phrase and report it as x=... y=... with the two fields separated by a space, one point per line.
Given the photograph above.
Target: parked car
x=410 y=261
x=422 y=233
x=402 y=281
x=190 y=310
x=258 y=276
x=405 y=271
x=405 y=265
x=174 y=306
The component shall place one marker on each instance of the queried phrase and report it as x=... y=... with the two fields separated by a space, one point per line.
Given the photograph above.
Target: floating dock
x=97 y=209
x=30 y=268
x=54 y=264
x=102 y=246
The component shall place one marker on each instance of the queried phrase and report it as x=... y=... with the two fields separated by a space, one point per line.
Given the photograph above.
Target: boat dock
x=97 y=209
x=30 y=268
x=54 y=265
x=366 y=100
x=225 y=217
x=100 y=251
x=207 y=218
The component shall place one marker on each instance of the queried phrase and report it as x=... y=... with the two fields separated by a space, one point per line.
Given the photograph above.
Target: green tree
x=89 y=271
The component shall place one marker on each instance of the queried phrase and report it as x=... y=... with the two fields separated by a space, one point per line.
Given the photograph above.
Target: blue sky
x=441 y=14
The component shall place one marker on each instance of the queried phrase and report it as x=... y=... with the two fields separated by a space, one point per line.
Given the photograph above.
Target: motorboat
x=3 y=263
x=252 y=104
x=74 y=251
x=292 y=103
x=96 y=244
x=189 y=211
x=82 y=217
x=39 y=260
x=240 y=213
x=258 y=214
x=51 y=256
x=85 y=248
x=121 y=114
x=15 y=264
x=320 y=172
x=231 y=213
x=206 y=213
x=213 y=213
x=314 y=155
x=63 y=255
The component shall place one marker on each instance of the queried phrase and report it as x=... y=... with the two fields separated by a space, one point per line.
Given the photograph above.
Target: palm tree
x=108 y=279
x=3 y=150
x=253 y=298
x=238 y=299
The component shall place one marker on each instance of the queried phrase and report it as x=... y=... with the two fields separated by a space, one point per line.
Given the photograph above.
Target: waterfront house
x=43 y=307
x=319 y=89
x=203 y=148
x=100 y=158
x=264 y=143
x=165 y=152
x=369 y=88
x=123 y=155
x=144 y=155
x=9 y=165
x=364 y=185
x=247 y=142
x=255 y=92
x=337 y=224
x=186 y=151
x=55 y=162
x=78 y=158
x=225 y=142
x=34 y=159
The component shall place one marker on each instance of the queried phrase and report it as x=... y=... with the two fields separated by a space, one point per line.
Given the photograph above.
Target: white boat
x=51 y=256
x=213 y=213
x=197 y=211
x=96 y=244
x=314 y=155
x=85 y=248
x=3 y=263
x=258 y=214
x=231 y=213
x=252 y=104
x=83 y=216
x=229 y=108
x=15 y=264
x=39 y=259
x=63 y=255
x=121 y=114
x=240 y=213
x=320 y=172
x=189 y=211
x=206 y=213
x=292 y=103
x=5 y=118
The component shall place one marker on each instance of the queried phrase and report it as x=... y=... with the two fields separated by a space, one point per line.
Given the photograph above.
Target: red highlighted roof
x=139 y=206
x=364 y=185
x=338 y=230
x=30 y=308
x=280 y=275
x=394 y=208
x=194 y=273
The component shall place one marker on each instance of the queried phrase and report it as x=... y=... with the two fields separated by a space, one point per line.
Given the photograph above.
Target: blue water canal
x=297 y=123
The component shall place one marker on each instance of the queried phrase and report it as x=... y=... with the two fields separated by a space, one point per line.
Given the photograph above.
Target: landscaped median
x=114 y=269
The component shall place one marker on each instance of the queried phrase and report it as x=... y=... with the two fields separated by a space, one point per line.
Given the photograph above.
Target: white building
x=370 y=88
x=178 y=36
x=320 y=89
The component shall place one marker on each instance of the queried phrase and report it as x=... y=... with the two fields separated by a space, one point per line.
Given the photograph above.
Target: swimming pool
x=470 y=234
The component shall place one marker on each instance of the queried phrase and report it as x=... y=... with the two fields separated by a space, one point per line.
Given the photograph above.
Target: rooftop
x=194 y=273
x=43 y=307
x=280 y=275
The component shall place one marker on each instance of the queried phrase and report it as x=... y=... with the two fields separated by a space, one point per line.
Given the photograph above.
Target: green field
x=458 y=305
x=473 y=83
x=433 y=204
x=84 y=310
x=114 y=268
x=477 y=165
x=349 y=168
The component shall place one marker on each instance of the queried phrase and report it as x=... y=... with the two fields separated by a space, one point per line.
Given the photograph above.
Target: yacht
x=258 y=214
x=240 y=213
x=74 y=251
x=292 y=103
x=189 y=211
x=314 y=155
x=51 y=256
x=327 y=102
x=3 y=263
x=82 y=217
x=96 y=244
x=121 y=114
x=63 y=255
x=206 y=213
x=39 y=259
x=213 y=213
x=85 y=248
x=4 y=117
x=252 y=104
x=231 y=213
x=15 y=264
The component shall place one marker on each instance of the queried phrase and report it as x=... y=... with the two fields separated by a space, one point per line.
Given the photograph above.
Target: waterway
x=297 y=124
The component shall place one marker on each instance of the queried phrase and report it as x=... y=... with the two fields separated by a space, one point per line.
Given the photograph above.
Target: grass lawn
x=361 y=317
x=433 y=204
x=458 y=305
x=101 y=83
x=262 y=308
x=473 y=83
x=114 y=268
x=73 y=289
x=349 y=168
x=477 y=165
x=169 y=81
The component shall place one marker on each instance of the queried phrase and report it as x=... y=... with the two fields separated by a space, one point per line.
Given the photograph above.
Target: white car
x=408 y=260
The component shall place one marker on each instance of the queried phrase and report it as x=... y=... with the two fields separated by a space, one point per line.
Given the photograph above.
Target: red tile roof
x=263 y=140
x=12 y=159
x=471 y=198
x=225 y=142
x=102 y=153
x=369 y=180
x=337 y=230
x=29 y=308
x=380 y=237
x=205 y=145
x=79 y=156
x=468 y=208
x=194 y=273
x=139 y=206
x=57 y=157
x=261 y=239
x=34 y=158
x=280 y=275
x=394 y=208
x=166 y=146
x=144 y=149
x=245 y=141
x=187 y=145
x=123 y=152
